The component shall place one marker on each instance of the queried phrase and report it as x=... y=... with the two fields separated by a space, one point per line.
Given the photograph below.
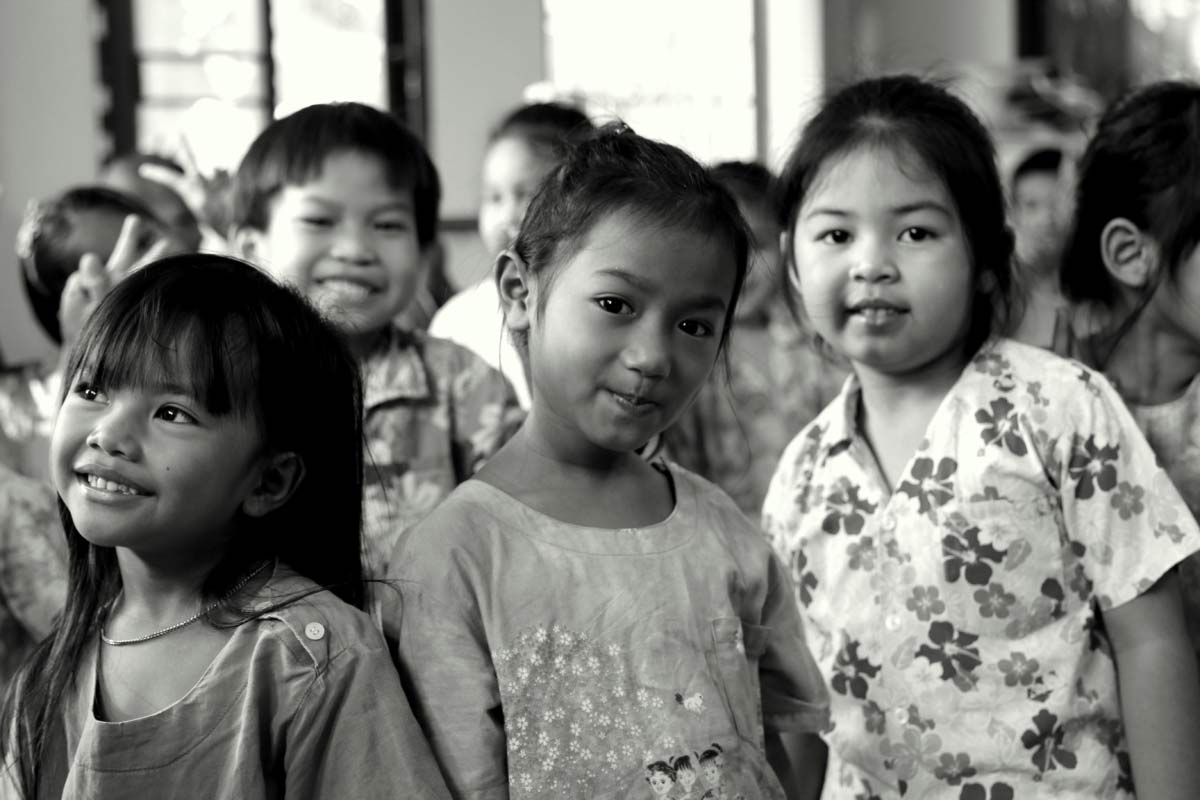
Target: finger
x=161 y=248
x=91 y=272
x=125 y=253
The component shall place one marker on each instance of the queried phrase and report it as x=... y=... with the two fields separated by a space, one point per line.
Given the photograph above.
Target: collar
x=840 y=420
x=395 y=368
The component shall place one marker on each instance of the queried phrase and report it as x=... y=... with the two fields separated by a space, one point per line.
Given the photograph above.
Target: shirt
x=434 y=412
x=957 y=619
x=33 y=568
x=301 y=702
x=743 y=417
x=29 y=399
x=550 y=660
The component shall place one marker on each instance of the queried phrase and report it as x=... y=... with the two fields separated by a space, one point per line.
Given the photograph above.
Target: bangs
x=204 y=356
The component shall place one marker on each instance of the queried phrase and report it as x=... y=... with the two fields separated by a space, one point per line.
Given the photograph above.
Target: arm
x=355 y=729
x=799 y=762
x=1160 y=691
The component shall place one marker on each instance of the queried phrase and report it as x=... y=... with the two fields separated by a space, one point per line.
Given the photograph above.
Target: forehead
x=876 y=173
x=1035 y=185
x=511 y=159
x=95 y=230
x=347 y=175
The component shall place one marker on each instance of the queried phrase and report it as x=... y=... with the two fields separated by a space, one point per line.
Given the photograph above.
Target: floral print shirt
x=33 y=568
x=735 y=431
x=434 y=412
x=551 y=660
x=957 y=619
x=28 y=402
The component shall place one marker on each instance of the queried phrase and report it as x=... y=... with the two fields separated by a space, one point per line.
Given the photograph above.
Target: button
x=901 y=716
x=314 y=631
x=892 y=623
x=889 y=522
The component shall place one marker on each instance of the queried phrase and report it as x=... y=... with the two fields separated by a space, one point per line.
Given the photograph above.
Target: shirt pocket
x=737 y=647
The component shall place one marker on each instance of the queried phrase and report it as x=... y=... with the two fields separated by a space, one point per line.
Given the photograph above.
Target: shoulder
x=317 y=629
x=715 y=510
x=449 y=359
x=468 y=524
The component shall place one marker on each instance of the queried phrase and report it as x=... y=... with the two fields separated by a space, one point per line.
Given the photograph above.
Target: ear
x=515 y=288
x=1129 y=254
x=280 y=476
x=250 y=244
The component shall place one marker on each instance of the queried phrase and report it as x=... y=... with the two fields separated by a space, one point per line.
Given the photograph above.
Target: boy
x=341 y=201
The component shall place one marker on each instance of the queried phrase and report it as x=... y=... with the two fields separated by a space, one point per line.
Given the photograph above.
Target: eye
x=697 y=328
x=392 y=225
x=835 y=236
x=89 y=392
x=175 y=414
x=917 y=234
x=315 y=221
x=614 y=305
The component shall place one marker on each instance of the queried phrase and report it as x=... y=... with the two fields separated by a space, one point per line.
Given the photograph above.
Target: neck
x=160 y=592
x=1153 y=362
x=886 y=396
x=361 y=344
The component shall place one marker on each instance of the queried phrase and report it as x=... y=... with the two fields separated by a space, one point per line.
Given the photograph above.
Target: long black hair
x=247 y=346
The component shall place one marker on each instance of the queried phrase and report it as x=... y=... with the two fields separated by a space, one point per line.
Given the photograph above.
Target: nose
x=117 y=434
x=352 y=244
x=648 y=352
x=874 y=262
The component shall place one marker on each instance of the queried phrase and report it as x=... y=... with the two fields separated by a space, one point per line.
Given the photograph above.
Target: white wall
x=49 y=134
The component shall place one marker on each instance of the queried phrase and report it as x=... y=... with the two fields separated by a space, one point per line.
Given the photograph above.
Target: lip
x=633 y=404
x=875 y=303
x=365 y=282
x=109 y=474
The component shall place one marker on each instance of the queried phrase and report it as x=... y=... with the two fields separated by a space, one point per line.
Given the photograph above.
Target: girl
x=575 y=613
x=775 y=378
x=1133 y=269
x=982 y=542
x=198 y=654
x=521 y=150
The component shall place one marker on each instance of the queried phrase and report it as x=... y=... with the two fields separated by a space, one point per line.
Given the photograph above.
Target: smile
x=632 y=404
x=109 y=487
x=346 y=289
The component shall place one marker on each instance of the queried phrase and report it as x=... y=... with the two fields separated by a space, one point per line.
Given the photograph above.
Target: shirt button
x=901 y=716
x=889 y=522
x=892 y=623
x=314 y=631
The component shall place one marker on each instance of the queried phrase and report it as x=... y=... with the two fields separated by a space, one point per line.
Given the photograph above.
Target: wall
x=49 y=134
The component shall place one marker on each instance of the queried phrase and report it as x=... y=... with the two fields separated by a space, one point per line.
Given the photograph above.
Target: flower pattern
x=964 y=611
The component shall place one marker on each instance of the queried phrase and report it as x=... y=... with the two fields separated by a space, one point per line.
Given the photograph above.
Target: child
x=75 y=232
x=775 y=379
x=576 y=617
x=33 y=570
x=340 y=200
x=522 y=149
x=212 y=644
x=1132 y=267
x=1037 y=187
x=982 y=541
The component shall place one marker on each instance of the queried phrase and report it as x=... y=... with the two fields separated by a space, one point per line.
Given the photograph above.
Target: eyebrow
x=901 y=210
x=638 y=282
x=401 y=204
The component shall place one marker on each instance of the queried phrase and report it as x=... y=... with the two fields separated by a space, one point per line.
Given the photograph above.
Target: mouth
x=634 y=404
x=109 y=482
x=875 y=312
x=347 y=289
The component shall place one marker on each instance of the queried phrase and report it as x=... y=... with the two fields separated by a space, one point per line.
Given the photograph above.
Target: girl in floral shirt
x=983 y=544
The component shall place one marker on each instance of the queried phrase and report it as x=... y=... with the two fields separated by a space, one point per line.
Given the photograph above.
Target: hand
x=88 y=285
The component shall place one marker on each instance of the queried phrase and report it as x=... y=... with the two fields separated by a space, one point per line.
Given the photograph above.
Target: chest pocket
x=738 y=646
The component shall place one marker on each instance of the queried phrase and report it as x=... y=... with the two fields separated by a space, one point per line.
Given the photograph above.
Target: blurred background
x=195 y=80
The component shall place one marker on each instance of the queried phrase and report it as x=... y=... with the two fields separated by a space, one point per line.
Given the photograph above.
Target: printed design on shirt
x=695 y=775
x=985 y=570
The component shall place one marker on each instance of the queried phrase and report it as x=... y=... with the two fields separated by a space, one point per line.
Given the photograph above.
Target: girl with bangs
x=213 y=642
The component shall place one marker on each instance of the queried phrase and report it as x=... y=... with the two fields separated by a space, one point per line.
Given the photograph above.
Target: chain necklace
x=189 y=620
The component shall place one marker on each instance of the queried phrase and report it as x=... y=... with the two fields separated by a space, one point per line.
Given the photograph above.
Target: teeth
x=344 y=289
x=97 y=482
x=875 y=314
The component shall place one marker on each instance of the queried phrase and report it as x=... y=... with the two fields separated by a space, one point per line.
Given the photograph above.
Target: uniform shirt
x=551 y=660
x=302 y=702
x=957 y=619
x=33 y=568
x=434 y=412
x=735 y=431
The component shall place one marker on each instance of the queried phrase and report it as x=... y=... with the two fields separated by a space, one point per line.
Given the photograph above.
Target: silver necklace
x=186 y=622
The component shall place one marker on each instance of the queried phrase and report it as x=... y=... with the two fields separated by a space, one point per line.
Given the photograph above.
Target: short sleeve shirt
x=957 y=619
x=550 y=660
x=434 y=412
x=301 y=702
